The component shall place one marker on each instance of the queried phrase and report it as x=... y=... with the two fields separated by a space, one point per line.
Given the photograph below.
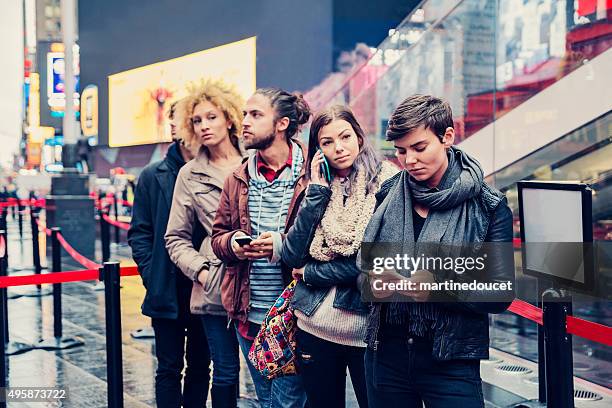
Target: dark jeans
x=402 y=372
x=170 y=350
x=223 y=346
x=322 y=365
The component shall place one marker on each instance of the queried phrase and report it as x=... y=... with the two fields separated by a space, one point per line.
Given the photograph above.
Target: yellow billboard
x=89 y=111
x=139 y=99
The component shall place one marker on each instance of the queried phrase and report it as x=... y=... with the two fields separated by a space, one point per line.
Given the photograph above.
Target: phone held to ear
x=324 y=169
x=242 y=241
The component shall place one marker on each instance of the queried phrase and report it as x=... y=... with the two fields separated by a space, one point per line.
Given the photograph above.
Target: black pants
x=403 y=373
x=322 y=365
x=171 y=351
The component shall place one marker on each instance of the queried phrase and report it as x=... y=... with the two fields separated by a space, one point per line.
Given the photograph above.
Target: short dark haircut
x=420 y=110
x=172 y=110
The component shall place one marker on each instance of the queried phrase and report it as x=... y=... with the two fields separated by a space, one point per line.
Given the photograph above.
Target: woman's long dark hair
x=367 y=160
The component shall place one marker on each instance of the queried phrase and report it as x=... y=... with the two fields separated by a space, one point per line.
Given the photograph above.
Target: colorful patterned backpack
x=273 y=350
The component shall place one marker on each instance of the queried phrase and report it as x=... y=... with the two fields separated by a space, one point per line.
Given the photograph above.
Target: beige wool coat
x=196 y=197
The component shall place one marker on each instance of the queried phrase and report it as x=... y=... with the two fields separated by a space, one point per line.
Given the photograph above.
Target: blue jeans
x=223 y=350
x=282 y=392
x=402 y=372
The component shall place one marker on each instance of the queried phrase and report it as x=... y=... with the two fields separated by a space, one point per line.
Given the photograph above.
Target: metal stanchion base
x=44 y=291
x=14 y=347
x=98 y=286
x=144 y=333
x=59 y=343
x=14 y=295
x=530 y=404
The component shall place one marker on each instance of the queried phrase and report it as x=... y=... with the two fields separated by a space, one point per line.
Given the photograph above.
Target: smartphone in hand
x=324 y=169
x=242 y=241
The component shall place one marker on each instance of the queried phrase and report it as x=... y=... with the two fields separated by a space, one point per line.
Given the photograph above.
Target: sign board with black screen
x=557 y=232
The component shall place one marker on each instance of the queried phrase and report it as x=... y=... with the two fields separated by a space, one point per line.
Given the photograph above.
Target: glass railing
x=485 y=57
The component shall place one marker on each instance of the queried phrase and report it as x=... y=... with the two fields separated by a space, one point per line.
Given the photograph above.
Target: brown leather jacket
x=233 y=216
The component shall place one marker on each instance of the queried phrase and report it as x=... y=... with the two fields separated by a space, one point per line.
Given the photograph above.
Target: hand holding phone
x=325 y=172
x=243 y=240
x=319 y=169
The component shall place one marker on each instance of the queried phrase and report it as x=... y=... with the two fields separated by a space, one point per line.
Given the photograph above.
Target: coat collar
x=166 y=177
x=201 y=169
x=242 y=172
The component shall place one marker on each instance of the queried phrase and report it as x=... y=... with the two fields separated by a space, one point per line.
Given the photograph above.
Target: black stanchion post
x=558 y=351
x=3 y=291
x=56 y=259
x=104 y=236
x=4 y=232
x=541 y=353
x=104 y=240
x=541 y=366
x=9 y=348
x=35 y=243
x=3 y=333
x=58 y=342
x=3 y=212
x=36 y=255
x=116 y=209
x=19 y=209
x=114 y=360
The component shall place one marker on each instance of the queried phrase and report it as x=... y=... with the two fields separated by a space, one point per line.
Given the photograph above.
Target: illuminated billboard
x=55 y=79
x=139 y=99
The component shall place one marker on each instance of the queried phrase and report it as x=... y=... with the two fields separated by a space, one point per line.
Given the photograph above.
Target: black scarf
x=445 y=224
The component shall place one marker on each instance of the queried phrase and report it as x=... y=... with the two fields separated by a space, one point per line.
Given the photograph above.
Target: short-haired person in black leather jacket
x=420 y=349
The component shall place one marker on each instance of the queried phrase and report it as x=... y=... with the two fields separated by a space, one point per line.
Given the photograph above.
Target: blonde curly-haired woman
x=210 y=119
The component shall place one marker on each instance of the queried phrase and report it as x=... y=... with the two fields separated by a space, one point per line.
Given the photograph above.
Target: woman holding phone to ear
x=322 y=247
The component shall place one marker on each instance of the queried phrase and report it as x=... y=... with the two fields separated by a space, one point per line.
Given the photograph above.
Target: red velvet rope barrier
x=589 y=330
x=125 y=203
x=11 y=202
x=596 y=332
x=87 y=263
x=60 y=277
x=122 y=225
x=111 y=200
x=527 y=310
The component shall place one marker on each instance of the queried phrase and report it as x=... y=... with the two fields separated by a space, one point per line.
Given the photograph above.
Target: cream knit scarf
x=341 y=230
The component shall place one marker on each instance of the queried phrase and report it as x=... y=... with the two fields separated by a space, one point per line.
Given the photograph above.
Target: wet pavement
x=82 y=370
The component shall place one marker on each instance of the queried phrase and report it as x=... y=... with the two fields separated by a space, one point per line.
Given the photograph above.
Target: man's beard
x=260 y=143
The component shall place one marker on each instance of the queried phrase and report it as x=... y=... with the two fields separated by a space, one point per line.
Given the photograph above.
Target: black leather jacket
x=467 y=334
x=319 y=277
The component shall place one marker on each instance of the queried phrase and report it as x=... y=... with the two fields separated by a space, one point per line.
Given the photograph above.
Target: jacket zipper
x=376 y=333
